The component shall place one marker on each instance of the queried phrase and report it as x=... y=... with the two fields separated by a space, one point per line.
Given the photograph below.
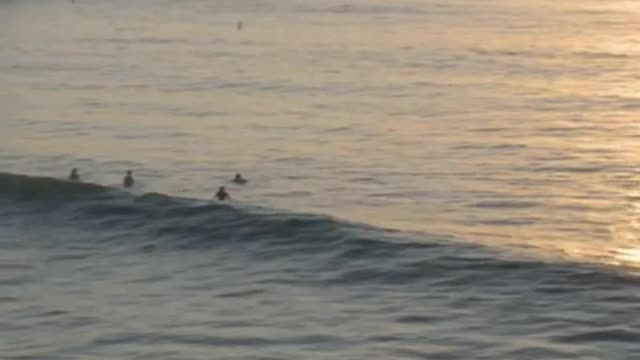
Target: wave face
x=239 y=279
x=182 y=223
x=160 y=221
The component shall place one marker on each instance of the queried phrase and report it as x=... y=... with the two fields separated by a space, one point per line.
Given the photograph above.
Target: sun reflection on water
x=629 y=257
x=626 y=238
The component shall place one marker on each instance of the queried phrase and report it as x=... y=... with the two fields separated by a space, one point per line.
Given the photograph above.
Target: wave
x=195 y=222
x=23 y=187
x=357 y=252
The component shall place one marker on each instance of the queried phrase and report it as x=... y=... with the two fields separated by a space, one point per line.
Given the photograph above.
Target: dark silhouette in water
x=128 y=180
x=239 y=179
x=73 y=176
x=239 y=25
x=222 y=194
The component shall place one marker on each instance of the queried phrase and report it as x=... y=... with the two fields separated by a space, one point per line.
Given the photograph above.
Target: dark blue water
x=89 y=271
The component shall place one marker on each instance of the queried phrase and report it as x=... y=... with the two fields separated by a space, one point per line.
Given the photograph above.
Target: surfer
x=222 y=194
x=73 y=176
x=128 y=179
x=239 y=179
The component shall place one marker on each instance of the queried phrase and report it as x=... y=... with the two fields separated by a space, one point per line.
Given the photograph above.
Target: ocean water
x=427 y=179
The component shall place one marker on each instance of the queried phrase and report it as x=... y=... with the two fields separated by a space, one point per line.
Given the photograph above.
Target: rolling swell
x=195 y=223
x=37 y=188
x=346 y=253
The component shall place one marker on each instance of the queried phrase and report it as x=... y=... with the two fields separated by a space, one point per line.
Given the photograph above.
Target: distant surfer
x=239 y=179
x=73 y=176
x=222 y=194
x=128 y=179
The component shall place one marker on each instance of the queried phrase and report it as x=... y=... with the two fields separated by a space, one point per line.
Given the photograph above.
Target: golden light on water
x=629 y=257
x=625 y=237
x=561 y=125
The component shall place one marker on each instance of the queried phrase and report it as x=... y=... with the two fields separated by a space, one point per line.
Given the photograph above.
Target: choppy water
x=428 y=179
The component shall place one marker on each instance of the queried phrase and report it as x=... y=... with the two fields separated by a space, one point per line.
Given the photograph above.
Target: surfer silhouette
x=238 y=179
x=128 y=180
x=73 y=176
x=222 y=194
